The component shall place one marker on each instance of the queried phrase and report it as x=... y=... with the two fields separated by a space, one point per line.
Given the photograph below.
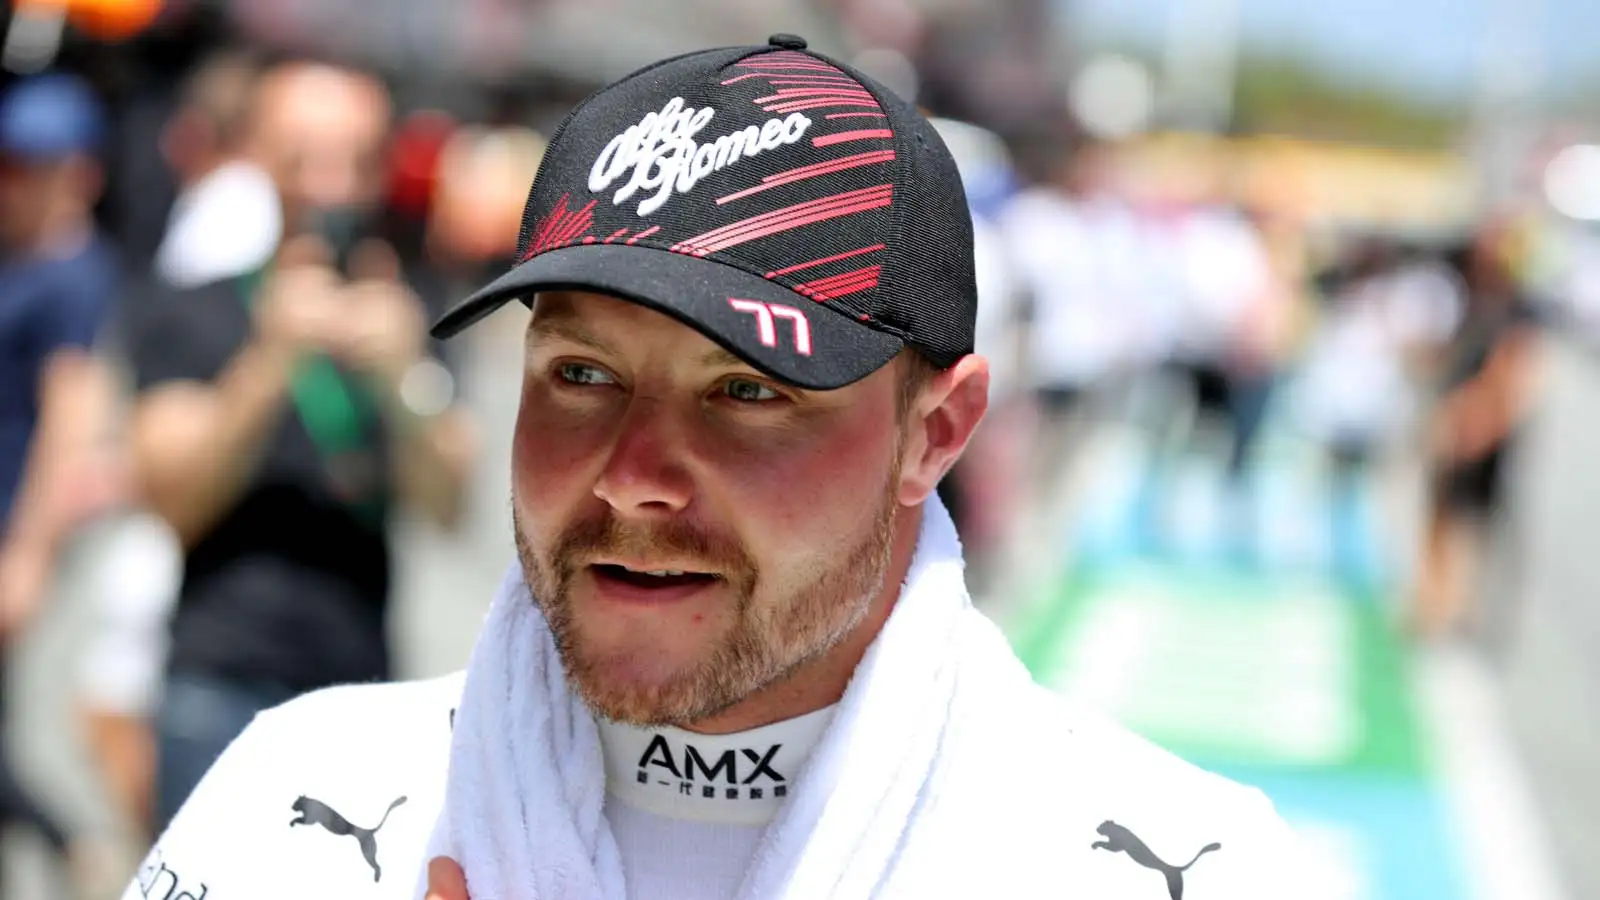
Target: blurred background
x=1294 y=311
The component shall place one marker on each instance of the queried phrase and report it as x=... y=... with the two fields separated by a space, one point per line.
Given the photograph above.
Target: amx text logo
x=719 y=778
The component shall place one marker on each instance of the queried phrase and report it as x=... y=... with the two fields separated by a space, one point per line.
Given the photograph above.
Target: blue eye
x=748 y=391
x=578 y=373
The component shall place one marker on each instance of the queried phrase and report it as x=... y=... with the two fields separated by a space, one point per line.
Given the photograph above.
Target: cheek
x=807 y=502
x=551 y=457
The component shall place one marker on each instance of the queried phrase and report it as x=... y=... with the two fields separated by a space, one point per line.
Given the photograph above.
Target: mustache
x=609 y=536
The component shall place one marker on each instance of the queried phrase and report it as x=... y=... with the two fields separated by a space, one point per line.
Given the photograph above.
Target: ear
x=941 y=422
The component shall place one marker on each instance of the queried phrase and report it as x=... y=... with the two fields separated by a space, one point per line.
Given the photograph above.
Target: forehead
x=319 y=103
x=556 y=310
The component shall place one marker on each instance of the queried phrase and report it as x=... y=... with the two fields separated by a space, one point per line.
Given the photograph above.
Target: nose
x=645 y=476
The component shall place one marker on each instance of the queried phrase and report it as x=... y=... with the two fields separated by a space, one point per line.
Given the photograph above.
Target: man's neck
x=820 y=682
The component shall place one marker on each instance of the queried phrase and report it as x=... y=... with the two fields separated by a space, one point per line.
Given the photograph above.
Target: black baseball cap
x=793 y=210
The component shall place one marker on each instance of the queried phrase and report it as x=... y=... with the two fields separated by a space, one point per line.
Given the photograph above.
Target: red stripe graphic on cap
x=619 y=233
x=802 y=105
x=645 y=233
x=546 y=225
x=811 y=81
x=787 y=218
x=795 y=78
x=812 y=171
x=560 y=226
x=769 y=60
x=854 y=115
x=580 y=222
x=828 y=140
x=785 y=66
x=825 y=260
x=787 y=225
x=787 y=94
x=867 y=275
x=841 y=285
x=795 y=99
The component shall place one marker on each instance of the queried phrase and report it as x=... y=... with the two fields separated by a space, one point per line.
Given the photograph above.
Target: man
x=57 y=278
x=1488 y=388
x=277 y=425
x=226 y=223
x=736 y=658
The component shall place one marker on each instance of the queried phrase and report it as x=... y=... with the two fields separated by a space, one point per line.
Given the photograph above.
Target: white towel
x=523 y=804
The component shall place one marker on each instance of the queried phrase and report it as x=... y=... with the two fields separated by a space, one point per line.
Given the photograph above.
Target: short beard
x=768 y=641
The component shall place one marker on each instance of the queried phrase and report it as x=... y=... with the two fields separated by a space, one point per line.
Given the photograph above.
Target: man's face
x=641 y=446
x=321 y=133
x=29 y=191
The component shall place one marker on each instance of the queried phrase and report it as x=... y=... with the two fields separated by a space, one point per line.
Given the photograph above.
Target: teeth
x=664 y=573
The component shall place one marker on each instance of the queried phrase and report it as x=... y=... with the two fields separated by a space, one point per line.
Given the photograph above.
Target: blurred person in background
x=1073 y=242
x=982 y=488
x=226 y=220
x=1229 y=313
x=481 y=175
x=1357 y=390
x=281 y=418
x=1489 y=383
x=225 y=223
x=58 y=278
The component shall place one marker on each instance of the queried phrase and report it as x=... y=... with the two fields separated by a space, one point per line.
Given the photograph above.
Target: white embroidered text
x=662 y=155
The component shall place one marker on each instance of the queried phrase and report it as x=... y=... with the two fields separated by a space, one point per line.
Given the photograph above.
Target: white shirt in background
x=226 y=224
x=1069 y=262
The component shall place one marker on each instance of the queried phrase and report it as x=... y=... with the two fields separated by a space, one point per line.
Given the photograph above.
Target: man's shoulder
x=1084 y=741
x=1084 y=790
x=366 y=712
x=328 y=739
x=276 y=814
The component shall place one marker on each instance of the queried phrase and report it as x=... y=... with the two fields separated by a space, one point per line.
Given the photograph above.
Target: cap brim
x=774 y=329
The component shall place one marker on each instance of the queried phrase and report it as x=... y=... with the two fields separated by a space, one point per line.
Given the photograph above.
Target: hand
x=100 y=483
x=383 y=324
x=24 y=573
x=299 y=306
x=446 y=881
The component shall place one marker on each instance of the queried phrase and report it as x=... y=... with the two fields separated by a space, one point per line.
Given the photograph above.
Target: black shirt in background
x=1485 y=324
x=292 y=584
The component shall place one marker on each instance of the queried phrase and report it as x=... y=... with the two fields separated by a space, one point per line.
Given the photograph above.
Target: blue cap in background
x=49 y=117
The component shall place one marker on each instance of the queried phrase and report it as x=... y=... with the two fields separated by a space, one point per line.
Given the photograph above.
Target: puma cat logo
x=315 y=812
x=1121 y=840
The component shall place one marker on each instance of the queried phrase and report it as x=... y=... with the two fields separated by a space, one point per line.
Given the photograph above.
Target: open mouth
x=658 y=578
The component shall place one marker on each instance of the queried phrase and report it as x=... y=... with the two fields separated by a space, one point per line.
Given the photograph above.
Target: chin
x=641 y=703
x=636 y=686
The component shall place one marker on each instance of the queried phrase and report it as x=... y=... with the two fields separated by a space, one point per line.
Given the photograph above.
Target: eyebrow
x=565 y=329
x=718 y=357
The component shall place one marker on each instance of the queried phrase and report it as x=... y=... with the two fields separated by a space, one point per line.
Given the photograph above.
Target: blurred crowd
x=242 y=402
x=214 y=295
x=1192 y=312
